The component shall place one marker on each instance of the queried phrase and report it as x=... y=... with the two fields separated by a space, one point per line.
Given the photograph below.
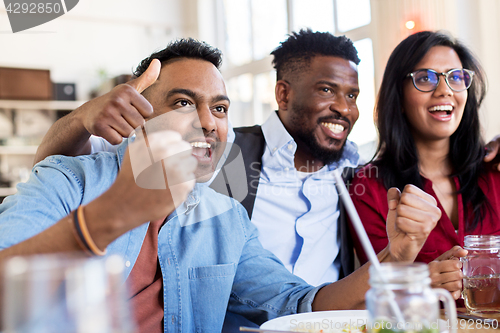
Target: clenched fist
x=412 y=216
x=154 y=179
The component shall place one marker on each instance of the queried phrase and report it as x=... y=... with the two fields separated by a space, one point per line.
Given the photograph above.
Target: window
x=269 y=25
x=265 y=102
x=238 y=32
x=352 y=14
x=318 y=17
x=240 y=91
x=364 y=130
x=253 y=28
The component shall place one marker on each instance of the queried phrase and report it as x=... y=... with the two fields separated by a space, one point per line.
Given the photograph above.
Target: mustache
x=216 y=140
x=334 y=117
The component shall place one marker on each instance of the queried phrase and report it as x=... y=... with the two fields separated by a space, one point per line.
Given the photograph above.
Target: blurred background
x=98 y=43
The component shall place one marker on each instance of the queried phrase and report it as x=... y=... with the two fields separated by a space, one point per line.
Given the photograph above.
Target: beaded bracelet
x=83 y=233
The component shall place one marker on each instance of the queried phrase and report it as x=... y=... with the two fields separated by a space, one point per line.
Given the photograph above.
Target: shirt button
x=286 y=169
x=274 y=149
x=290 y=146
x=127 y=263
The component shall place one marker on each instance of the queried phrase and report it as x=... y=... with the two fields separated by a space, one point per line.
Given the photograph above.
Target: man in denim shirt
x=208 y=254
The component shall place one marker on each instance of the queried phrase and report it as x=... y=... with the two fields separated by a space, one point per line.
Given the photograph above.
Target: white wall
x=97 y=34
x=486 y=44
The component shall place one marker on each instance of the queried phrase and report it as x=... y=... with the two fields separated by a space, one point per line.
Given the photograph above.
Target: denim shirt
x=209 y=252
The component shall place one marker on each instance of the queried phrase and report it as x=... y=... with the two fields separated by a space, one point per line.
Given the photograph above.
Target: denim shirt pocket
x=210 y=288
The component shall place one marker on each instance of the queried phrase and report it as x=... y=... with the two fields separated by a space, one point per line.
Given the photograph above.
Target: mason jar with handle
x=481 y=270
x=401 y=300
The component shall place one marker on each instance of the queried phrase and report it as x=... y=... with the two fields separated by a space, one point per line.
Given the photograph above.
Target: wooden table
x=469 y=325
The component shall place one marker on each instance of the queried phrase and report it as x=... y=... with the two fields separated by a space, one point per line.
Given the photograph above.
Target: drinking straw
x=363 y=238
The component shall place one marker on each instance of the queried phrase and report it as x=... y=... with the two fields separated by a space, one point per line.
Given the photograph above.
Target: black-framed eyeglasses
x=427 y=80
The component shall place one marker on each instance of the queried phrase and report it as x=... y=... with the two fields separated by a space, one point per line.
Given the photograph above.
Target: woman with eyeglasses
x=429 y=136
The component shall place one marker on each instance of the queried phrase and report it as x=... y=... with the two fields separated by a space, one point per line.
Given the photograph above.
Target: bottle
x=401 y=300
x=481 y=270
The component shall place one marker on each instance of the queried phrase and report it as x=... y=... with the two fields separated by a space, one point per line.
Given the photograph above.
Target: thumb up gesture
x=116 y=114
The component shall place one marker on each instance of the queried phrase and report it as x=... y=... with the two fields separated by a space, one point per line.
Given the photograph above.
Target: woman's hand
x=412 y=216
x=446 y=271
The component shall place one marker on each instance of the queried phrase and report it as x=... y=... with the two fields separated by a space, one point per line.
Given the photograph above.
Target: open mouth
x=334 y=128
x=202 y=149
x=441 y=110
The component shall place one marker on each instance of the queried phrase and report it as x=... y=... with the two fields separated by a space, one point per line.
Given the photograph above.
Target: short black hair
x=296 y=52
x=183 y=48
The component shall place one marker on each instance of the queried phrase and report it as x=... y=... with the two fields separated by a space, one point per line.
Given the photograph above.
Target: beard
x=304 y=132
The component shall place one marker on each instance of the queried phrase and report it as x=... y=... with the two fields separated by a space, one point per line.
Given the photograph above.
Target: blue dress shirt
x=209 y=252
x=296 y=213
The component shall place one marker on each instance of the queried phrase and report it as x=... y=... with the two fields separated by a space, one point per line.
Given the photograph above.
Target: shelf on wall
x=40 y=105
x=18 y=150
x=5 y=191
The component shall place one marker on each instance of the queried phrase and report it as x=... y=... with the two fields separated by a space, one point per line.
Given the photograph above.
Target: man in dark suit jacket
x=296 y=60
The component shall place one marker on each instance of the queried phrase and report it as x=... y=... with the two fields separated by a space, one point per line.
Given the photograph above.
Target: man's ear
x=282 y=91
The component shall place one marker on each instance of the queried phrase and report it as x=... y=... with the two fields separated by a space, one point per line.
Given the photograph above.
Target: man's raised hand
x=116 y=114
x=127 y=205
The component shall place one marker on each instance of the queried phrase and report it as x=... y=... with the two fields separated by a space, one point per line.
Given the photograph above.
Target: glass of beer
x=481 y=270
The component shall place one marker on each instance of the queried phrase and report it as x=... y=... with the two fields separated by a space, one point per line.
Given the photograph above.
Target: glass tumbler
x=481 y=270
x=64 y=294
x=401 y=300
